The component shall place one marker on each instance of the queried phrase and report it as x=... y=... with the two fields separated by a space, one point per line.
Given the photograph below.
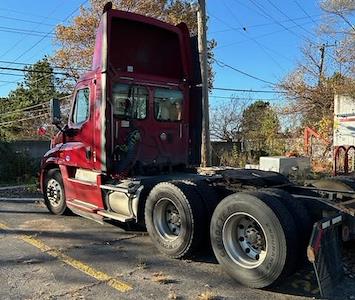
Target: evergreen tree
x=26 y=108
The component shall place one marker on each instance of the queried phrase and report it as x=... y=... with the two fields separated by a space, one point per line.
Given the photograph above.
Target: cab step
x=114 y=216
x=88 y=215
x=82 y=205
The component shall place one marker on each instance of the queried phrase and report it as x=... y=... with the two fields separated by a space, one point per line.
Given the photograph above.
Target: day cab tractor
x=130 y=150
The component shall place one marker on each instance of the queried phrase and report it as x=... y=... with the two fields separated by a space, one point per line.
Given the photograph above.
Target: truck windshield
x=129 y=101
x=168 y=104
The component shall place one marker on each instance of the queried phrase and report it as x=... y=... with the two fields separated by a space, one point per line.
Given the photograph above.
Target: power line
x=305 y=12
x=54 y=67
x=272 y=18
x=20 y=30
x=261 y=46
x=11 y=74
x=285 y=15
x=7 y=81
x=33 y=28
x=21 y=120
x=222 y=64
x=33 y=71
x=246 y=90
x=48 y=33
x=26 y=21
x=256 y=37
x=260 y=25
x=23 y=33
x=26 y=13
x=23 y=109
x=291 y=31
x=245 y=98
x=40 y=110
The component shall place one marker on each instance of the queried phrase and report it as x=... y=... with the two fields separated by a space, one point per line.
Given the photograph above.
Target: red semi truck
x=130 y=152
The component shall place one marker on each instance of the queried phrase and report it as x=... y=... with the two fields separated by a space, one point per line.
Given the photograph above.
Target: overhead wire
x=33 y=71
x=245 y=98
x=256 y=37
x=247 y=27
x=24 y=109
x=48 y=33
x=25 y=21
x=26 y=13
x=53 y=66
x=285 y=15
x=305 y=12
x=33 y=28
x=29 y=111
x=11 y=74
x=261 y=8
x=22 y=32
x=222 y=64
x=21 y=120
x=246 y=90
x=260 y=45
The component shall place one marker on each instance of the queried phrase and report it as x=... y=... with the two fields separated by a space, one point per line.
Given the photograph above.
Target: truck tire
x=254 y=238
x=175 y=218
x=300 y=216
x=54 y=194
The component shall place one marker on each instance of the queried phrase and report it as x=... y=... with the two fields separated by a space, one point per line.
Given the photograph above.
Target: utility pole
x=202 y=48
x=322 y=50
x=321 y=64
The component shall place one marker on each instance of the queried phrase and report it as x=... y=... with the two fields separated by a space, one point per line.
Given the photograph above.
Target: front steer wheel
x=54 y=195
x=175 y=218
x=253 y=236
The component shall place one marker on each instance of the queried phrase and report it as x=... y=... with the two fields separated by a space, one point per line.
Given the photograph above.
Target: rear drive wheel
x=174 y=218
x=300 y=215
x=54 y=195
x=253 y=236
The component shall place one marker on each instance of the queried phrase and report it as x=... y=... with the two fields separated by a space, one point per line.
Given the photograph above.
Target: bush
x=16 y=166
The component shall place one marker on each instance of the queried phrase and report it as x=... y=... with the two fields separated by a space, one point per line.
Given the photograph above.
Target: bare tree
x=340 y=27
x=326 y=69
x=226 y=119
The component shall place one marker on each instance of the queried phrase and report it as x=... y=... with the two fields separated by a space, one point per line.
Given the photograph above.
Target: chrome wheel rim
x=54 y=193
x=166 y=219
x=244 y=240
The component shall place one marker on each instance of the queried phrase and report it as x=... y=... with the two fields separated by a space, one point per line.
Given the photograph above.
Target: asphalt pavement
x=68 y=257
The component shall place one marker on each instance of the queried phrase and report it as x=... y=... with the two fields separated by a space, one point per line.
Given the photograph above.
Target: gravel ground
x=30 y=191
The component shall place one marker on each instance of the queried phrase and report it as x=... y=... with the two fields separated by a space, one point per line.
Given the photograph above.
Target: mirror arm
x=60 y=128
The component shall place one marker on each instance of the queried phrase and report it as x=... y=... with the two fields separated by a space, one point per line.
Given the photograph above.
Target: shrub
x=16 y=166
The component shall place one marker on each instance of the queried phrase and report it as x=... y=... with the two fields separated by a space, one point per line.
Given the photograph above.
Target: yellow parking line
x=98 y=275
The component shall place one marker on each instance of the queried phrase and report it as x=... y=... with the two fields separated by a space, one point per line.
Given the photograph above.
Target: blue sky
x=255 y=36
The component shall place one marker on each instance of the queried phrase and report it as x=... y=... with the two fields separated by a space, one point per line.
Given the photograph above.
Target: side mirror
x=55 y=112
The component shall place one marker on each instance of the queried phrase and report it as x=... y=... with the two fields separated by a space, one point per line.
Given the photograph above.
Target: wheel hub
x=244 y=240
x=54 y=192
x=167 y=220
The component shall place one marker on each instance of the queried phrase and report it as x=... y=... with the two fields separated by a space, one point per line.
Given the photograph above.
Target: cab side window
x=168 y=104
x=82 y=106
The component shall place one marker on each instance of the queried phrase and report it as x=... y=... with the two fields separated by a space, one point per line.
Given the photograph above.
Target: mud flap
x=324 y=252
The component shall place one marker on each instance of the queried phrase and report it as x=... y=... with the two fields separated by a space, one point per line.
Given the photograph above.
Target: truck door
x=79 y=143
x=78 y=150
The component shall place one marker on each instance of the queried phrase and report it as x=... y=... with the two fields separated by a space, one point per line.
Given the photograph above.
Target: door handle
x=88 y=153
